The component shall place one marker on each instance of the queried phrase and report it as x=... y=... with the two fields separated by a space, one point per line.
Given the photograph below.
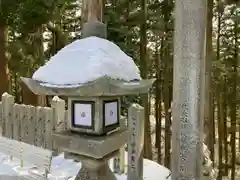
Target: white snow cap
x=86 y=60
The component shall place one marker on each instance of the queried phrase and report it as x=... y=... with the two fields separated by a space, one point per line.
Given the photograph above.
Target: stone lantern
x=93 y=135
x=94 y=115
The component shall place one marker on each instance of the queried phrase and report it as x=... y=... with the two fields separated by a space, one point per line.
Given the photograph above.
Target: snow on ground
x=86 y=60
x=62 y=169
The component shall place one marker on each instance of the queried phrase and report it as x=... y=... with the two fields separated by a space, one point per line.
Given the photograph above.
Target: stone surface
x=188 y=88
x=101 y=87
x=135 y=142
x=93 y=146
x=94 y=28
x=95 y=169
x=100 y=171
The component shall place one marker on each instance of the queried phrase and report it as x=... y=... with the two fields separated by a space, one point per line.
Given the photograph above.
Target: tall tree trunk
x=3 y=62
x=219 y=14
x=167 y=105
x=42 y=100
x=225 y=133
x=208 y=121
x=144 y=74
x=29 y=98
x=220 y=130
x=16 y=87
x=158 y=106
x=233 y=110
x=92 y=9
x=167 y=89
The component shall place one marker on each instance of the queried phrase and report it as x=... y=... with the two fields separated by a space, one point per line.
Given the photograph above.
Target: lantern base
x=93 y=152
x=92 y=146
x=94 y=169
x=101 y=173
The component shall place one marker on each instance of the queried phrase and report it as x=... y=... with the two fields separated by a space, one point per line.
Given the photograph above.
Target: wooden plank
x=48 y=128
x=24 y=123
x=31 y=113
x=31 y=154
x=7 y=126
x=58 y=107
x=39 y=127
x=16 y=122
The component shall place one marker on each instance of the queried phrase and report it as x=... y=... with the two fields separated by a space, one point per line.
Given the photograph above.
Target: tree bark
x=29 y=98
x=224 y=102
x=220 y=137
x=167 y=104
x=158 y=106
x=218 y=59
x=3 y=62
x=167 y=85
x=208 y=121
x=92 y=10
x=233 y=109
x=144 y=74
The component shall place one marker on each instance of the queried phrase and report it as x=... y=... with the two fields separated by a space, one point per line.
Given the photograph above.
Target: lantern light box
x=94 y=115
x=83 y=114
x=110 y=112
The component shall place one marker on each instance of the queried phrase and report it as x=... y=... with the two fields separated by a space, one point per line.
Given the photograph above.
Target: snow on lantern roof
x=89 y=67
x=86 y=60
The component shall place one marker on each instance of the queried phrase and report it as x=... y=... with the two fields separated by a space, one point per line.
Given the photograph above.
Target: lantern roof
x=89 y=66
x=101 y=87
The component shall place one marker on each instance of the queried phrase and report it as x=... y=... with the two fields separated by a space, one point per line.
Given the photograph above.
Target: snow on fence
x=35 y=126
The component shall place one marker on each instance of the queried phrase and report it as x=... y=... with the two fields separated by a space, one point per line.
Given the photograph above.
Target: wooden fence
x=32 y=125
x=35 y=126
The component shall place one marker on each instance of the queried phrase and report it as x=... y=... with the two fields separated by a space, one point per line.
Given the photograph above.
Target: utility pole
x=188 y=88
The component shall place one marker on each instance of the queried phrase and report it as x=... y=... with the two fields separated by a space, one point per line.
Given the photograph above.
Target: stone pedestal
x=94 y=169
x=92 y=151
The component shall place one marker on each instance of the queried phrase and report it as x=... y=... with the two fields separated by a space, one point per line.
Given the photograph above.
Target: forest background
x=31 y=31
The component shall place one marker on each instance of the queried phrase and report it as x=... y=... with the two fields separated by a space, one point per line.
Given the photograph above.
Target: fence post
x=48 y=128
x=119 y=161
x=31 y=136
x=135 y=142
x=7 y=115
x=58 y=118
x=39 y=126
x=17 y=122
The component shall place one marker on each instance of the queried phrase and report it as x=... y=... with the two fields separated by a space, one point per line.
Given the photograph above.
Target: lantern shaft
x=189 y=51
x=92 y=19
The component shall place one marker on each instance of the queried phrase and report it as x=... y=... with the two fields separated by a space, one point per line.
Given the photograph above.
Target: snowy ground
x=66 y=169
